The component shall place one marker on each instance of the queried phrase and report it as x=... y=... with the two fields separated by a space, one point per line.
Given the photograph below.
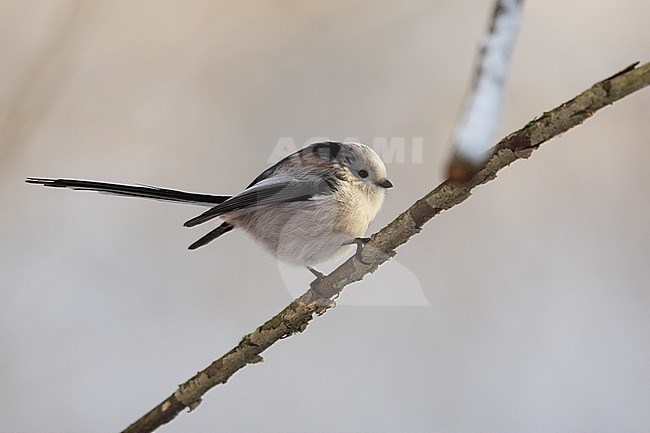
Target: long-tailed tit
x=305 y=209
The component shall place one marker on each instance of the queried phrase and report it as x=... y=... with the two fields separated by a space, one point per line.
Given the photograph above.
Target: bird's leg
x=360 y=243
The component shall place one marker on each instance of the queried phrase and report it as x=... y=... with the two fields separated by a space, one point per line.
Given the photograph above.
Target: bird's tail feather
x=142 y=191
x=212 y=235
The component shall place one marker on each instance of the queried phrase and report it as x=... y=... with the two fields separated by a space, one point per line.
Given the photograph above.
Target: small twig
x=479 y=121
x=295 y=317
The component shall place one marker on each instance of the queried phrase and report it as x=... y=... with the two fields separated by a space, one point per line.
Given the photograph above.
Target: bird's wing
x=279 y=189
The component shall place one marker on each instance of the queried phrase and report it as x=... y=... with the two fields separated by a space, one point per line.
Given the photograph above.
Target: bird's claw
x=360 y=243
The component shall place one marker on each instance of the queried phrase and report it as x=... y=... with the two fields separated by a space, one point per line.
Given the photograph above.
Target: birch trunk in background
x=479 y=121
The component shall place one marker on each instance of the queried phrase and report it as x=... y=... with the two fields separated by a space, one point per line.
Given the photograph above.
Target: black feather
x=223 y=228
x=142 y=191
x=280 y=192
x=326 y=149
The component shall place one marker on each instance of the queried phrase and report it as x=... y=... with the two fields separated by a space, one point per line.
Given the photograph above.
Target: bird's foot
x=360 y=243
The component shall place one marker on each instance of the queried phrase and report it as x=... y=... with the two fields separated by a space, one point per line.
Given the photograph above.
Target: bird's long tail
x=142 y=191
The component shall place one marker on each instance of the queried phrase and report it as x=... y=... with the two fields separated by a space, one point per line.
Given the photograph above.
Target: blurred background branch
x=44 y=76
x=479 y=122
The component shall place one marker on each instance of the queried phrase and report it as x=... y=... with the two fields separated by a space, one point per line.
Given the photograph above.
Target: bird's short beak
x=385 y=183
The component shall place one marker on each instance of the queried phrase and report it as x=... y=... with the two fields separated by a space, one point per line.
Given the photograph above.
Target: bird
x=305 y=209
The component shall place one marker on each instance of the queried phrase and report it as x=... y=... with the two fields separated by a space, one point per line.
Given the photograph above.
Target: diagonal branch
x=297 y=315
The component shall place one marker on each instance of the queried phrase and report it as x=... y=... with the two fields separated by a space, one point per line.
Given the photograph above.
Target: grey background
x=537 y=287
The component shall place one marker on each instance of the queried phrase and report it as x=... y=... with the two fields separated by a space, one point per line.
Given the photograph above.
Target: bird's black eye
x=363 y=173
